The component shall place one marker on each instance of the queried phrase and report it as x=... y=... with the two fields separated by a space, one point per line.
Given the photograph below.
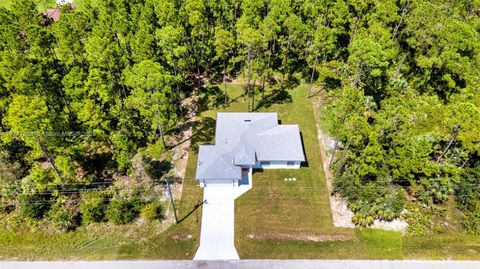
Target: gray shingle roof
x=243 y=139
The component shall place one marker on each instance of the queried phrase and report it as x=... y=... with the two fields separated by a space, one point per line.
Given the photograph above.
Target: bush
x=151 y=211
x=33 y=206
x=421 y=219
x=468 y=189
x=64 y=219
x=123 y=211
x=471 y=222
x=93 y=207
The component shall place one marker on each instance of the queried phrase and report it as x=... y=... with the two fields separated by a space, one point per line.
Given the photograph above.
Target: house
x=246 y=141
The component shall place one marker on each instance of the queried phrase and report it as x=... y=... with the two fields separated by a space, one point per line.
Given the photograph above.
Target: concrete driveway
x=218 y=222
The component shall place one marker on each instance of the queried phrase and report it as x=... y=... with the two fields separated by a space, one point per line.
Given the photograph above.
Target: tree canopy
x=107 y=80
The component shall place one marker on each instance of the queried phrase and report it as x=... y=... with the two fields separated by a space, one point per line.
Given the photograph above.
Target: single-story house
x=245 y=141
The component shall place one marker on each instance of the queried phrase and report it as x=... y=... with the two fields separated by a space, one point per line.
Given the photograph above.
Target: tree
x=196 y=15
x=29 y=119
x=151 y=85
x=223 y=45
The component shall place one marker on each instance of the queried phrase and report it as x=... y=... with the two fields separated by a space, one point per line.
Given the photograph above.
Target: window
x=265 y=163
x=290 y=164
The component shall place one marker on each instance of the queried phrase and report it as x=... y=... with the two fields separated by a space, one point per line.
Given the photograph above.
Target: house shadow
x=305 y=163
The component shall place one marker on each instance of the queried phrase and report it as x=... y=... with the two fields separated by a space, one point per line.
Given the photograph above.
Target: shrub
x=33 y=206
x=63 y=218
x=93 y=207
x=151 y=211
x=123 y=211
x=468 y=189
x=421 y=219
x=471 y=222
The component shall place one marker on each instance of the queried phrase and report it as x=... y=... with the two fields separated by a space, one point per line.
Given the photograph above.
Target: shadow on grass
x=195 y=207
x=305 y=163
x=210 y=97
x=203 y=132
x=291 y=82
x=277 y=96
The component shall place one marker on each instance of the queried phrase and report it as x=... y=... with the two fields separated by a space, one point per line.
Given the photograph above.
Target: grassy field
x=276 y=219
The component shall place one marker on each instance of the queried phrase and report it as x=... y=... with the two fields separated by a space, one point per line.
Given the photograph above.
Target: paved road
x=257 y=264
x=218 y=222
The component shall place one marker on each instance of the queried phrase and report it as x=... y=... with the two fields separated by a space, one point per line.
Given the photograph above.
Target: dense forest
x=82 y=96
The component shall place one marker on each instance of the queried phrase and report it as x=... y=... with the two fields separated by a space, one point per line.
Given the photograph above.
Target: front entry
x=244 y=180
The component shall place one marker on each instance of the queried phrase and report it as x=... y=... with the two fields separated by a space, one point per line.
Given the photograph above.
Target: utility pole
x=171 y=200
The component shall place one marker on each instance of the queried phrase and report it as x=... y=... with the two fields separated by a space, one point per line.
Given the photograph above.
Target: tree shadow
x=157 y=168
x=277 y=96
x=203 y=132
x=199 y=204
x=210 y=97
x=291 y=82
x=218 y=97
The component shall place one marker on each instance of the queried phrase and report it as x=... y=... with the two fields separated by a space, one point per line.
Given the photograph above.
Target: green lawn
x=276 y=219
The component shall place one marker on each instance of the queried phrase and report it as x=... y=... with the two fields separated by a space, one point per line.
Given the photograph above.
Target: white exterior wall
x=278 y=165
x=218 y=182
x=235 y=182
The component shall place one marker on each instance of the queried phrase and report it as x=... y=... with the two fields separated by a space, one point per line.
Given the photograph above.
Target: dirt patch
x=182 y=144
x=342 y=216
x=303 y=237
x=272 y=194
x=180 y=237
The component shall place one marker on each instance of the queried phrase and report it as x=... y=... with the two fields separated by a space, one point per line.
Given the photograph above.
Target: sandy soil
x=183 y=140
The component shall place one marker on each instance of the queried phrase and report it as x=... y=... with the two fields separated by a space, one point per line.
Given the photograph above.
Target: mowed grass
x=443 y=246
x=286 y=219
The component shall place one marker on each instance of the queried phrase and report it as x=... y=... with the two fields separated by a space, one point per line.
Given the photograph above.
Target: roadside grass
x=451 y=243
x=382 y=244
x=443 y=246
x=105 y=241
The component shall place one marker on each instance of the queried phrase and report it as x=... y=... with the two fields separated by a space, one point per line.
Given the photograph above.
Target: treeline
x=407 y=113
x=82 y=96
